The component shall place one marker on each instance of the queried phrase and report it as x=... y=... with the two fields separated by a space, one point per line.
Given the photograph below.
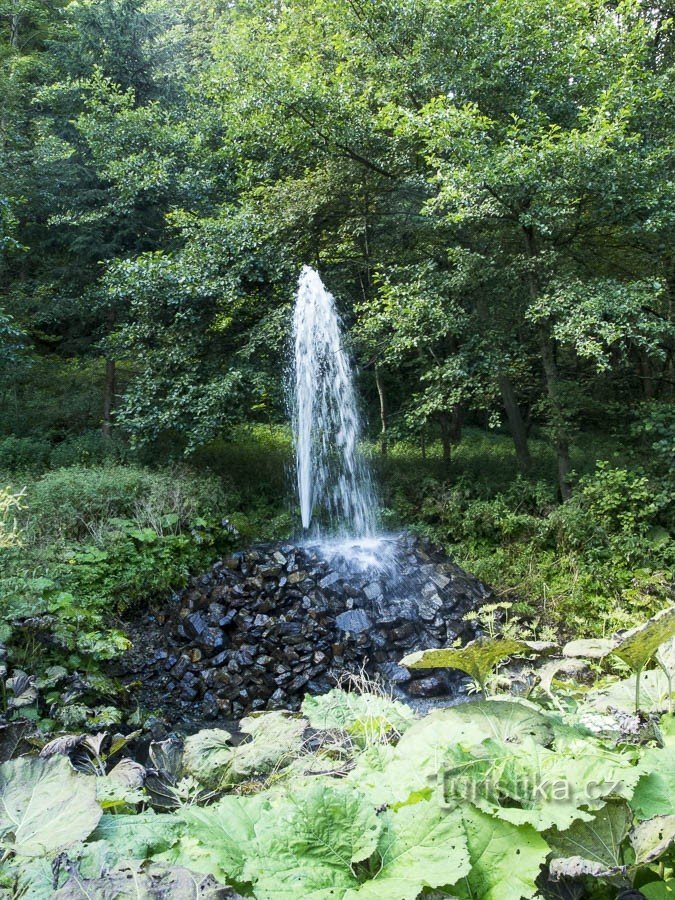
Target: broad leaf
x=276 y=737
x=621 y=694
x=45 y=806
x=638 y=645
x=154 y=882
x=422 y=846
x=505 y=859
x=589 y=648
x=357 y=712
x=652 y=838
x=307 y=848
x=654 y=794
x=593 y=847
x=208 y=756
x=218 y=839
x=138 y=837
x=477 y=658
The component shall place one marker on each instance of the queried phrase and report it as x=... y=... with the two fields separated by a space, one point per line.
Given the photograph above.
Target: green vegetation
x=487 y=190
x=357 y=797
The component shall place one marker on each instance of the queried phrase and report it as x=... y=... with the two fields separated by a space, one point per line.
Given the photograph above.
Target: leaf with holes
x=45 y=805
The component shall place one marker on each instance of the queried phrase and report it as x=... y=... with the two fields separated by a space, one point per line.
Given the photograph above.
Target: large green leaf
x=276 y=738
x=638 y=645
x=652 y=838
x=593 y=847
x=154 y=882
x=45 y=805
x=388 y=775
x=208 y=756
x=505 y=859
x=138 y=837
x=309 y=845
x=361 y=713
x=477 y=658
x=422 y=846
x=530 y=784
x=654 y=794
x=621 y=694
x=590 y=648
x=218 y=839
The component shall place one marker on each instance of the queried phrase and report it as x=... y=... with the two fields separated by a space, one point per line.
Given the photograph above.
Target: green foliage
x=449 y=806
x=97 y=541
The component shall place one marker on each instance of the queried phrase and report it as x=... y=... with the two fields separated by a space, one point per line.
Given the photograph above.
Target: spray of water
x=326 y=425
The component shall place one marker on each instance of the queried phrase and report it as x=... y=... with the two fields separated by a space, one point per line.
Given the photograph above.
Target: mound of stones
x=270 y=624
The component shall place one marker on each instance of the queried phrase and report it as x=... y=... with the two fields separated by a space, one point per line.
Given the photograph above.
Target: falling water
x=326 y=425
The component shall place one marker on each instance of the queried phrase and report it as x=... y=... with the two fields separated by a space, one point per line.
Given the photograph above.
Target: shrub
x=24 y=454
x=88 y=449
x=76 y=502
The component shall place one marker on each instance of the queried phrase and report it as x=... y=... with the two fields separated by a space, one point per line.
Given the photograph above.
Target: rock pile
x=270 y=624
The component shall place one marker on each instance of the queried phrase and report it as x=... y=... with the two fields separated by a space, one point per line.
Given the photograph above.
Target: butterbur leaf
x=593 y=847
x=276 y=736
x=477 y=658
x=166 y=756
x=654 y=794
x=652 y=838
x=422 y=846
x=621 y=694
x=137 y=836
x=129 y=773
x=208 y=756
x=505 y=859
x=548 y=672
x=45 y=806
x=218 y=839
x=589 y=648
x=349 y=711
x=23 y=690
x=580 y=867
x=12 y=739
x=63 y=745
x=309 y=845
x=154 y=882
x=638 y=645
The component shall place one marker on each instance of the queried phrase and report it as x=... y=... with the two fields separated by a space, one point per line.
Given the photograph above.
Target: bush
x=88 y=449
x=24 y=454
x=77 y=502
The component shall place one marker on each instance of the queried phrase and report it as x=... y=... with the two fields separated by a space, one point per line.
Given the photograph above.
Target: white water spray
x=326 y=423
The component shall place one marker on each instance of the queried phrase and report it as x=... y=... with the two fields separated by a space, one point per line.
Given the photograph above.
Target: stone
x=279 y=621
x=428 y=605
x=431 y=686
x=354 y=621
x=329 y=580
x=212 y=639
x=394 y=673
x=195 y=624
x=373 y=590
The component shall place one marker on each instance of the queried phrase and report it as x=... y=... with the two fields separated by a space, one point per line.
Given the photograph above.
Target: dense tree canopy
x=486 y=187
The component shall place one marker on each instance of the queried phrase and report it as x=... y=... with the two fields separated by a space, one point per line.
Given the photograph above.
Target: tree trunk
x=451 y=432
x=516 y=423
x=646 y=376
x=108 y=397
x=550 y=366
x=552 y=387
x=446 y=442
x=383 y=410
x=14 y=25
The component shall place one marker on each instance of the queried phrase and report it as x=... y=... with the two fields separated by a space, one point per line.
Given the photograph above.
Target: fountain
x=326 y=423
x=271 y=623
x=335 y=488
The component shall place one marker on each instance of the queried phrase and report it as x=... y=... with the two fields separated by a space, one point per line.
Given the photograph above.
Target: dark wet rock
x=265 y=626
x=354 y=620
